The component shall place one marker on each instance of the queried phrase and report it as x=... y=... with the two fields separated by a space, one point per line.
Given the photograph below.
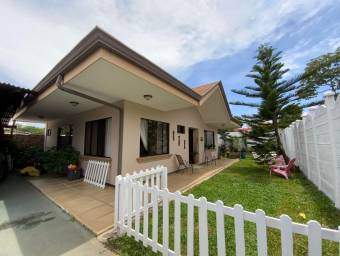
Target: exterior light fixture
x=74 y=103
x=147 y=97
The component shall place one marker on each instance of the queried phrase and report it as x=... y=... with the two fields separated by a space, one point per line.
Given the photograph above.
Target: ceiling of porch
x=57 y=105
x=112 y=83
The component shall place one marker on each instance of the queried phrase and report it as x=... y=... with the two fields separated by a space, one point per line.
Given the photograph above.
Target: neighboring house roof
x=11 y=98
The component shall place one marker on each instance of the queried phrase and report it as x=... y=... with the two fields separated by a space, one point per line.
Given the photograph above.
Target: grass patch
x=250 y=185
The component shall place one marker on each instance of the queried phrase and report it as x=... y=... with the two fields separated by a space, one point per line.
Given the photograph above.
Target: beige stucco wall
x=188 y=117
x=78 y=121
x=132 y=114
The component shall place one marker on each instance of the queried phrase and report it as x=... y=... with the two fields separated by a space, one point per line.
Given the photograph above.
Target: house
x=112 y=104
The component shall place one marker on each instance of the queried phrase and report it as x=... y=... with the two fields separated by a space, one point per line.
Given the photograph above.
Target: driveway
x=30 y=224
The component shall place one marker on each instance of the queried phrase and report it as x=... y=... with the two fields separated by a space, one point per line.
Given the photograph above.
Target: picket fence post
x=239 y=230
x=117 y=205
x=329 y=101
x=314 y=238
x=203 y=227
x=177 y=233
x=165 y=221
x=190 y=226
x=220 y=228
x=286 y=235
x=261 y=232
x=155 y=194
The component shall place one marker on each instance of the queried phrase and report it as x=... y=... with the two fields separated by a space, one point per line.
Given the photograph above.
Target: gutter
x=60 y=85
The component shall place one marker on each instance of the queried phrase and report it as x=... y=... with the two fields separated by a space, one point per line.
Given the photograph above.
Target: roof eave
x=98 y=38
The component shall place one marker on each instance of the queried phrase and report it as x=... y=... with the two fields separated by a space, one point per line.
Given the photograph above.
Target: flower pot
x=73 y=175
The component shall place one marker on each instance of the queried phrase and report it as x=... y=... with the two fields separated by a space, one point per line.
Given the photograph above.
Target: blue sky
x=196 y=41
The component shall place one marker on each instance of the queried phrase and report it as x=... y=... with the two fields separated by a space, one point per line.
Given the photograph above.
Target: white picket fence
x=136 y=202
x=96 y=173
x=315 y=143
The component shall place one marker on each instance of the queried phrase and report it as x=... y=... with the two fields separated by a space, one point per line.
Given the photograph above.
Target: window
x=209 y=139
x=98 y=138
x=64 y=138
x=154 y=138
x=181 y=129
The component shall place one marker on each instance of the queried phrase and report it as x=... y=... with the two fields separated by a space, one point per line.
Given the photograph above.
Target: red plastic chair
x=277 y=161
x=283 y=170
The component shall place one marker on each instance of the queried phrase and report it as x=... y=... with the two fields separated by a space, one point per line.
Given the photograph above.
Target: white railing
x=96 y=173
x=154 y=177
x=315 y=143
x=140 y=203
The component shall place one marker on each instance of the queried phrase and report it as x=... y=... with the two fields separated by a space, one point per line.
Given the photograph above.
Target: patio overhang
x=104 y=83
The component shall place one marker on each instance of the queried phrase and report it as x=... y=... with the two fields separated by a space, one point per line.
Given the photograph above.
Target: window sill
x=99 y=158
x=146 y=159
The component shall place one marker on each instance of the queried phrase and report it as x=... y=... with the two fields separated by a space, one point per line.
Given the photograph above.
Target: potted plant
x=243 y=153
x=73 y=172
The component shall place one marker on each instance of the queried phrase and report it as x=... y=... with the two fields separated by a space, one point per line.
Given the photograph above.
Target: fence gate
x=96 y=173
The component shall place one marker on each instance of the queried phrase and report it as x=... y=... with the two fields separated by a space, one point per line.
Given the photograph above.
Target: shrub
x=56 y=161
x=28 y=156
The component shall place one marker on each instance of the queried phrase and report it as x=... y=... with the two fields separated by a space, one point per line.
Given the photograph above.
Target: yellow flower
x=302 y=215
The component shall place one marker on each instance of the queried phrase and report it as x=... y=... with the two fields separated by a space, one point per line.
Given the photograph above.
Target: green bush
x=56 y=161
x=28 y=156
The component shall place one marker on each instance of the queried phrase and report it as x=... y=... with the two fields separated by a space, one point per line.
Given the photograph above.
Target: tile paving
x=94 y=207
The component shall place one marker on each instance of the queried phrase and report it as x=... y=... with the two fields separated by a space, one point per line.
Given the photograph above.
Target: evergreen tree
x=276 y=101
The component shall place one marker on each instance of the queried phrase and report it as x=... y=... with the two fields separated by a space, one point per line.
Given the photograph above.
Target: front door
x=193 y=145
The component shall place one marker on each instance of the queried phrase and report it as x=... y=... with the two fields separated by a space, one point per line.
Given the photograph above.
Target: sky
x=196 y=41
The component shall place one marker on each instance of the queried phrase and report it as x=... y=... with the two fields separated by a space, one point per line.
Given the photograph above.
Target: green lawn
x=250 y=185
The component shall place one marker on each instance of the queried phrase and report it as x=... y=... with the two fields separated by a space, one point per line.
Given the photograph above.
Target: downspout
x=60 y=85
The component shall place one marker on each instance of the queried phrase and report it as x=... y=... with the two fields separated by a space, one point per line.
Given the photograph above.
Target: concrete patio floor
x=90 y=205
x=94 y=207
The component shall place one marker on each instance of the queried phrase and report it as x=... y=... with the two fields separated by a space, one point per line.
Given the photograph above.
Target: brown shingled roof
x=204 y=88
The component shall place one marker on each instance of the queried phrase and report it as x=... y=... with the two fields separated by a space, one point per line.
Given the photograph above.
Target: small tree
x=321 y=73
x=277 y=102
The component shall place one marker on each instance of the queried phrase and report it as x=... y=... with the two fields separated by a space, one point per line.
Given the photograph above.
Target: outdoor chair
x=283 y=170
x=182 y=164
x=210 y=157
x=277 y=161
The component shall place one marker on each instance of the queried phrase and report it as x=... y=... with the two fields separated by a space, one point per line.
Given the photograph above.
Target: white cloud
x=296 y=58
x=173 y=34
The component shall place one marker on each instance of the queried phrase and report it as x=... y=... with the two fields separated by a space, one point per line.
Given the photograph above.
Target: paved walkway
x=185 y=179
x=94 y=207
x=30 y=224
x=90 y=205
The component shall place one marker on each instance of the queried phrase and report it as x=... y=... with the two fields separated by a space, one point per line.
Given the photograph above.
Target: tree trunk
x=280 y=149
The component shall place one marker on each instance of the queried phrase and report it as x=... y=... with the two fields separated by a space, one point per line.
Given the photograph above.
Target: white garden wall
x=315 y=143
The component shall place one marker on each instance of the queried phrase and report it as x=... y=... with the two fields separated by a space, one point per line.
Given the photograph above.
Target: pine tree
x=276 y=101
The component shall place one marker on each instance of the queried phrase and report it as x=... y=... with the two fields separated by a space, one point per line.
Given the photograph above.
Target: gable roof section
x=203 y=89
x=98 y=38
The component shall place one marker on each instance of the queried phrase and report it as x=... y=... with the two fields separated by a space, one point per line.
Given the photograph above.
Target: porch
x=94 y=207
